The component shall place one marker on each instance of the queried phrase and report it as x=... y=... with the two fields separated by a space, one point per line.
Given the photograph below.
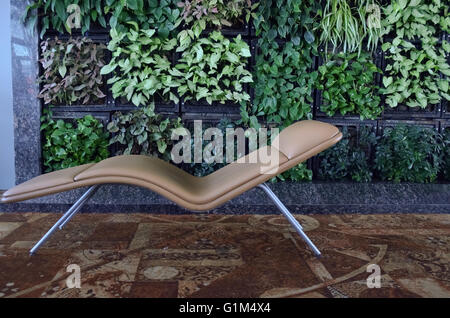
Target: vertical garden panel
x=404 y=111
x=27 y=108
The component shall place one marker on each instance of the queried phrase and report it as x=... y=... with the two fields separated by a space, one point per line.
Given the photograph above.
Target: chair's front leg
x=290 y=218
x=66 y=217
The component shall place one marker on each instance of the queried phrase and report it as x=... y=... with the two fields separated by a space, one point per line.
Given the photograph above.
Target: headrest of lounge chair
x=303 y=136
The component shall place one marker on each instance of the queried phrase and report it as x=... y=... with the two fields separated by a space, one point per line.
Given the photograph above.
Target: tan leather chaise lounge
x=293 y=145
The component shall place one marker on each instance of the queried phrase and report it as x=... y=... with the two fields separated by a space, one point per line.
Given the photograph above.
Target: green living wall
x=119 y=75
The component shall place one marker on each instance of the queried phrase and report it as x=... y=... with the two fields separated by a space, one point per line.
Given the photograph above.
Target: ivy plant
x=349 y=158
x=286 y=19
x=346 y=24
x=283 y=85
x=202 y=13
x=409 y=153
x=69 y=144
x=347 y=82
x=161 y=15
x=415 y=57
x=214 y=68
x=71 y=71
x=141 y=66
x=56 y=13
x=144 y=132
x=287 y=46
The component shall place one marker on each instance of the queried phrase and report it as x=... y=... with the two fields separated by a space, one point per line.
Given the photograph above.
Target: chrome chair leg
x=67 y=216
x=290 y=218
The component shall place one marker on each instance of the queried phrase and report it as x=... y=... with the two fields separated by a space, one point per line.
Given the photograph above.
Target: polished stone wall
x=7 y=175
x=307 y=198
x=27 y=108
x=300 y=197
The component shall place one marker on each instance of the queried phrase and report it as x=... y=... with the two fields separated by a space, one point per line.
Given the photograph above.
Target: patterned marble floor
x=142 y=255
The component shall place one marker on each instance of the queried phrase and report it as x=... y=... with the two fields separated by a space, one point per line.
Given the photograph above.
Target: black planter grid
x=434 y=116
x=209 y=118
x=445 y=127
x=103 y=116
x=242 y=29
x=446 y=109
x=430 y=124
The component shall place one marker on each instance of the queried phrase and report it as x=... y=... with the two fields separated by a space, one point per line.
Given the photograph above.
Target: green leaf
x=233 y=58
x=162 y=146
x=245 y=52
x=136 y=100
x=246 y=79
x=309 y=37
x=62 y=70
x=402 y=4
x=181 y=131
x=113 y=22
x=443 y=85
x=271 y=35
x=108 y=69
x=387 y=81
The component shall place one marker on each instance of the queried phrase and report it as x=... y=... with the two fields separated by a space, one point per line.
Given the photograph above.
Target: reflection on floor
x=142 y=255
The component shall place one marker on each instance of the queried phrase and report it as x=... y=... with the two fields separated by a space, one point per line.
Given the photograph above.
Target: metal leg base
x=290 y=218
x=91 y=191
x=66 y=217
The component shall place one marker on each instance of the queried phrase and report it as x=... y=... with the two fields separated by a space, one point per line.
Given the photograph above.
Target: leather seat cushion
x=48 y=180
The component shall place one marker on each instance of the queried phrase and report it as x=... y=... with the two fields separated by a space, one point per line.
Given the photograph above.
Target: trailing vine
x=214 y=68
x=141 y=66
x=284 y=79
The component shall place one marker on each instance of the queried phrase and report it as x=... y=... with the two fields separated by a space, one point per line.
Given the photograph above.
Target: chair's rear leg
x=66 y=217
x=290 y=218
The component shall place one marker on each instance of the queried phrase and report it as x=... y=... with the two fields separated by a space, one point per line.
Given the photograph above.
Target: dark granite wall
x=301 y=197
